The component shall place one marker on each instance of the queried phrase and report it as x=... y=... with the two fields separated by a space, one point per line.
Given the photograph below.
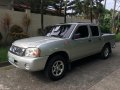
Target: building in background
x=6 y=4
x=17 y=5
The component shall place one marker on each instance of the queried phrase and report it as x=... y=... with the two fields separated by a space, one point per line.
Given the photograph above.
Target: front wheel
x=106 y=52
x=56 y=68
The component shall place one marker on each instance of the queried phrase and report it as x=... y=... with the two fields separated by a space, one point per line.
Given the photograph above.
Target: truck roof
x=82 y=23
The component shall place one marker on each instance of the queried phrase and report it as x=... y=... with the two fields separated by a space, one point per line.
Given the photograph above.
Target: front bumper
x=27 y=63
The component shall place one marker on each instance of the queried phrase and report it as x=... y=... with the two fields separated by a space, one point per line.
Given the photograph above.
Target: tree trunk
x=60 y=9
x=105 y=4
x=113 y=17
x=91 y=14
x=65 y=9
x=42 y=16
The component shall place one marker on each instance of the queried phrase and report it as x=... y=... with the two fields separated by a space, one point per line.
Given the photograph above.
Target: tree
x=105 y=21
x=98 y=10
x=89 y=8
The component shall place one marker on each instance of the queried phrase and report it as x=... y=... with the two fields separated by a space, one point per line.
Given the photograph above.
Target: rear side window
x=94 y=30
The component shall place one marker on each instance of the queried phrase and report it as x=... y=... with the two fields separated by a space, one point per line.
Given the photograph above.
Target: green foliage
x=118 y=37
x=3 y=53
x=105 y=29
x=105 y=22
x=105 y=26
x=85 y=7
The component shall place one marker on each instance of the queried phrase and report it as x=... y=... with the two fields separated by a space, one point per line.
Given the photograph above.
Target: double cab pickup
x=63 y=44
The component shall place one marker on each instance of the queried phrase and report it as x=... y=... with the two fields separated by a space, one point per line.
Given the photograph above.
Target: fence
x=17 y=18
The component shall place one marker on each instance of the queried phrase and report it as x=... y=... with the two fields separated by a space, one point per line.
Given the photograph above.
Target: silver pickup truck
x=63 y=44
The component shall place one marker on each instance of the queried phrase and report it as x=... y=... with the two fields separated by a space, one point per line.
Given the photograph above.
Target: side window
x=81 y=32
x=94 y=30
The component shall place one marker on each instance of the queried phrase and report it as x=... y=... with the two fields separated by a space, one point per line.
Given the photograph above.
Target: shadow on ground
x=76 y=64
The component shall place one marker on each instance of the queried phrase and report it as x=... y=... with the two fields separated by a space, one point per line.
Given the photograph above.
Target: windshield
x=58 y=31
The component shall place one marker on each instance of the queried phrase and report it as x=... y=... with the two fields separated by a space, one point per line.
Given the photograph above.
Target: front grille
x=17 y=50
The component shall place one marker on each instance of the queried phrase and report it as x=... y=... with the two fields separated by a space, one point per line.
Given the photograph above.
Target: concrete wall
x=17 y=18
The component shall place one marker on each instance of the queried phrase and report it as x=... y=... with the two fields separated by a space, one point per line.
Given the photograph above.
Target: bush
x=16 y=32
x=3 y=53
x=105 y=23
x=118 y=37
x=105 y=29
x=16 y=29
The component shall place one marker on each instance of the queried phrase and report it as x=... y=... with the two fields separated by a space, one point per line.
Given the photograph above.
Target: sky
x=110 y=5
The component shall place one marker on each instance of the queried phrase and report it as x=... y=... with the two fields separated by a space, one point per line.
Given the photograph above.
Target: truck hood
x=35 y=41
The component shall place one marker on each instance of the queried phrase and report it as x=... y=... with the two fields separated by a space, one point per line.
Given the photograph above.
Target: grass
x=3 y=53
x=118 y=37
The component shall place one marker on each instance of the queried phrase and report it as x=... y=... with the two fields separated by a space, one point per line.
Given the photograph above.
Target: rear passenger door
x=96 y=39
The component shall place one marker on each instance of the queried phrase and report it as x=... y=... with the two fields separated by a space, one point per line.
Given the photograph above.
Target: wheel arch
x=62 y=53
x=108 y=44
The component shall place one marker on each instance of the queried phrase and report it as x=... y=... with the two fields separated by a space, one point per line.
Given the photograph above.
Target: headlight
x=32 y=52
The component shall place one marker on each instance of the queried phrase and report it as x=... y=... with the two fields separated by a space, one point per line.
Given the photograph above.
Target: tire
x=106 y=52
x=56 y=68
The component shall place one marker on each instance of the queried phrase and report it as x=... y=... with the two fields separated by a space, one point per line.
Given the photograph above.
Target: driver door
x=80 y=43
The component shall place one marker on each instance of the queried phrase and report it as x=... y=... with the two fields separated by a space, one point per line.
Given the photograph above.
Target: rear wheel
x=56 y=68
x=106 y=52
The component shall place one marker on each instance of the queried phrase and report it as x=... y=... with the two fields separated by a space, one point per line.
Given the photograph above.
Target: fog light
x=27 y=66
